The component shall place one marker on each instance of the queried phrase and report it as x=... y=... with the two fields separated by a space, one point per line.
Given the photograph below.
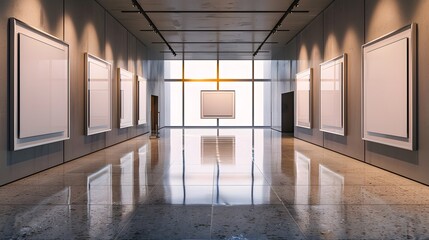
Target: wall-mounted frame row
x=388 y=91
x=40 y=90
x=332 y=96
x=304 y=81
x=98 y=95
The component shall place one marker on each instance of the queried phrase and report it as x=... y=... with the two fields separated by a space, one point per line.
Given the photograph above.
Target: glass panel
x=243 y=103
x=172 y=69
x=197 y=69
x=262 y=69
x=262 y=104
x=173 y=103
x=193 y=103
x=232 y=69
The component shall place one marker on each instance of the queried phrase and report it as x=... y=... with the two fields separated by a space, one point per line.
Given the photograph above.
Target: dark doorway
x=288 y=112
x=154 y=121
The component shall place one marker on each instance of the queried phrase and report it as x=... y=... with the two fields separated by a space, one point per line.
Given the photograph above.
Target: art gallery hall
x=214 y=119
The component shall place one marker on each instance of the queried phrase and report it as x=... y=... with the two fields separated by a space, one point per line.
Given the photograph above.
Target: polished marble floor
x=214 y=184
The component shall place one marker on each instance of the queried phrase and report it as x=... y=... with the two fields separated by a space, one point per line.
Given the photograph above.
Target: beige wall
x=343 y=33
x=86 y=27
x=382 y=17
x=310 y=50
x=343 y=28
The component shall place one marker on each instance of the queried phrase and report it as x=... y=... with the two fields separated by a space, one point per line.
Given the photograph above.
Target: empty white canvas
x=386 y=80
x=126 y=105
x=303 y=98
x=99 y=95
x=142 y=88
x=43 y=81
x=389 y=89
x=332 y=95
x=40 y=87
x=217 y=104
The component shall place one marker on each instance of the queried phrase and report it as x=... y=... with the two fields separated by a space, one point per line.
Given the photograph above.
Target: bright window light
x=201 y=69
x=235 y=69
x=172 y=69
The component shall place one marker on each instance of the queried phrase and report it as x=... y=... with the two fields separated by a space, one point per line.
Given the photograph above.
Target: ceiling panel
x=229 y=28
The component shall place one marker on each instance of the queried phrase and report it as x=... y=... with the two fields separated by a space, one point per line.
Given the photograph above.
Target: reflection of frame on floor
x=331 y=185
x=220 y=148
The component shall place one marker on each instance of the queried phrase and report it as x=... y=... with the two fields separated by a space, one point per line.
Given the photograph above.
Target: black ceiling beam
x=213 y=30
x=215 y=42
x=248 y=11
x=155 y=29
x=278 y=24
x=216 y=51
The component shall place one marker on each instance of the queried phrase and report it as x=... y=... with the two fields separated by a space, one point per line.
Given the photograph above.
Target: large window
x=262 y=69
x=243 y=103
x=182 y=96
x=262 y=105
x=173 y=103
x=235 y=69
x=201 y=69
x=173 y=69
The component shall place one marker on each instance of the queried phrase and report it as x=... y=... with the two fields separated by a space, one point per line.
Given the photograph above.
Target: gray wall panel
x=275 y=96
x=132 y=67
x=87 y=27
x=45 y=15
x=310 y=48
x=283 y=70
x=141 y=64
x=343 y=28
x=344 y=33
x=117 y=54
x=382 y=17
x=84 y=31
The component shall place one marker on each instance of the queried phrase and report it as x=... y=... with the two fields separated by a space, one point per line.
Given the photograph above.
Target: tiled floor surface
x=214 y=184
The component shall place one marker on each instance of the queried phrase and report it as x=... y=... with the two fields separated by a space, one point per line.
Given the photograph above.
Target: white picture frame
x=126 y=98
x=40 y=87
x=303 y=99
x=333 y=85
x=142 y=100
x=389 y=89
x=217 y=104
x=98 y=95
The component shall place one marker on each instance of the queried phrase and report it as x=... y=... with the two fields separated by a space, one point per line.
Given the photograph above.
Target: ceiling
x=204 y=29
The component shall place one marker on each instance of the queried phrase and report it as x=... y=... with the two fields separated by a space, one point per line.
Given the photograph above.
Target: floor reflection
x=302 y=175
x=214 y=184
x=217 y=169
x=143 y=179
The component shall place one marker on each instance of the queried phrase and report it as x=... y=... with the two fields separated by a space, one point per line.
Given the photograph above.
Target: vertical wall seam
x=64 y=39
x=320 y=80
x=361 y=67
